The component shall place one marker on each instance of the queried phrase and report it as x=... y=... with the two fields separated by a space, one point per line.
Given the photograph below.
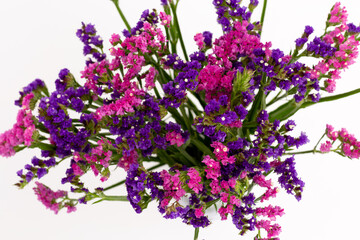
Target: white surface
x=38 y=39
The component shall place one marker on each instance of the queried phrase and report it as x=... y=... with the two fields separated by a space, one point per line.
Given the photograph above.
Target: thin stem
x=186 y=119
x=196 y=234
x=274 y=99
x=262 y=17
x=303 y=152
x=123 y=181
x=319 y=141
x=176 y=22
x=116 y=2
x=115 y=198
x=332 y=98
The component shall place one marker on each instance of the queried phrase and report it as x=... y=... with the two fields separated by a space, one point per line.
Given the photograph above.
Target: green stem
x=186 y=119
x=123 y=181
x=274 y=99
x=303 y=152
x=188 y=157
x=115 y=198
x=176 y=22
x=332 y=98
x=116 y=2
x=319 y=141
x=262 y=16
x=196 y=234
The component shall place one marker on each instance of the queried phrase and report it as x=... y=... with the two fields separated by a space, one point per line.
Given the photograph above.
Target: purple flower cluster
x=229 y=11
x=353 y=29
x=289 y=178
x=243 y=217
x=33 y=86
x=185 y=80
x=93 y=43
x=320 y=48
x=38 y=168
x=135 y=186
x=305 y=37
x=59 y=124
x=146 y=16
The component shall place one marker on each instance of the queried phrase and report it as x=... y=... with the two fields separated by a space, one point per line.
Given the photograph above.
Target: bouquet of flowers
x=193 y=132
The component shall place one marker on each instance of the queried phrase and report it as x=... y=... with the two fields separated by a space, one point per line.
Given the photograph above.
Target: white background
x=38 y=39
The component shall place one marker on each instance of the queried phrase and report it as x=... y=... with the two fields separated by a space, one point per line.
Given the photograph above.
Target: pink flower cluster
x=128 y=158
x=347 y=49
x=195 y=180
x=224 y=188
x=49 y=198
x=172 y=187
x=121 y=106
x=149 y=79
x=99 y=157
x=236 y=42
x=338 y=14
x=350 y=146
x=216 y=78
x=175 y=138
x=215 y=81
x=270 y=212
x=130 y=54
x=165 y=19
x=21 y=132
x=270 y=192
x=93 y=72
x=272 y=230
x=199 y=40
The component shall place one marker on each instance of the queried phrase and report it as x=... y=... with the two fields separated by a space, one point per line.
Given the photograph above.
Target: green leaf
x=201 y=146
x=285 y=111
x=43 y=146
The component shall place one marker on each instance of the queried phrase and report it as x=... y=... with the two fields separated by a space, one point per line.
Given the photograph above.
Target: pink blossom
x=172 y=185
x=235 y=201
x=199 y=212
x=128 y=158
x=21 y=132
x=114 y=39
x=260 y=180
x=149 y=79
x=199 y=39
x=77 y=170
x=224 y=197
x=224 y=211
x=220 y=150
x=49 y=197
x=215 y=188
x=272 y=230
x=333 y=135
x=165 y=19
x=195 y=180
x=325 y=147
x=213 y=168
x=330 y=85
x=243 y=174
x=175 y=138
x=270 y=192
x=224 y=185
x=270 y=212
x=338 y=14
x=232 y=182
